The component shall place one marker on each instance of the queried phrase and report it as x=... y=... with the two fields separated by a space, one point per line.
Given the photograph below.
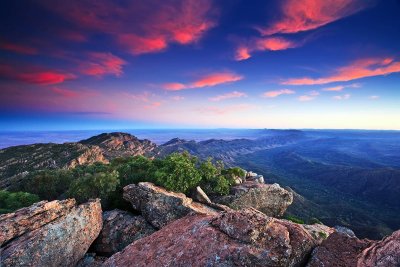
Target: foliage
x=294 y=219
x=94 y=181
x=323 y=235
x=48 y=184
x=177 y=172
x=11 y=201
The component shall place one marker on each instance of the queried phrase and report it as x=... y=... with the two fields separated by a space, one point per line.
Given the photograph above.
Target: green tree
x=177 y=172
x=11 y=201
x=94 y=185
x=137 y=169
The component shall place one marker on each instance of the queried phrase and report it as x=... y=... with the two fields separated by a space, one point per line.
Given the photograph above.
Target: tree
x=11 y=201
x=137 y=169
x=177 y=172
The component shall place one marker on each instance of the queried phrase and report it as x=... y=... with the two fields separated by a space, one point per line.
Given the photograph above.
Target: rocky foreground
x=170 y=229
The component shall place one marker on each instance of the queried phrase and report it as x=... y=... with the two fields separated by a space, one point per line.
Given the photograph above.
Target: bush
x=49 y=184
x=294 y=219
x=177 y=172
x=135 y=170
x=11 y=201
x=94 y=185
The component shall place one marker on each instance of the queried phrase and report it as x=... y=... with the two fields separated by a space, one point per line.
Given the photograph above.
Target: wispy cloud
x=309 y=96
x=100 y=64
x=244 y=51
x=297 y=16
x=225 y=110
x=18 y=48
x=208 y=80
x=374 y=97
x=342 y=97
x=276 y=93
x=341 y=87
x=234 y=94
x=140 y=27
x=362 y=68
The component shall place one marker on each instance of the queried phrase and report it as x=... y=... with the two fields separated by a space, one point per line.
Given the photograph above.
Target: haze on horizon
x=332 y=64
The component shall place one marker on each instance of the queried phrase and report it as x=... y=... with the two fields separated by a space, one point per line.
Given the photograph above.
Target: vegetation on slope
x=179 y=172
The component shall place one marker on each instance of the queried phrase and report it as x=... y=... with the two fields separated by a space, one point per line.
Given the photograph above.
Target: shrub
x=294 y=219
x=134 y=170
x=49 y=184
x=177 y=172
x=11 y=201
x=94 y=185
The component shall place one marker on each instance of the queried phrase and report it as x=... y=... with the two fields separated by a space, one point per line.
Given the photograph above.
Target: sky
x=77 y=65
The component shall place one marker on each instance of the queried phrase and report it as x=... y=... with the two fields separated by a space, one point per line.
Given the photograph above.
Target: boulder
x=385 y=253
x=62 y=242
x=159 y=206
x=91 y=260
x=120 y=228
x=271 y=199
x=28 y=219
x=339 y=249
x=235 y=238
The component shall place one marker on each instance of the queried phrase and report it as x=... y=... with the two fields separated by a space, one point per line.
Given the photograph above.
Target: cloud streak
x=208 y=80
x=362 y=68
x=234 y=94
x=140 y=27
x=276 y=93
x=244 y=51
x=297 y=16
x=101 y=64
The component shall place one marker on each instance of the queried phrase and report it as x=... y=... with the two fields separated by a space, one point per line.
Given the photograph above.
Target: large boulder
x=61 y=242
x=270 y=199
x=339 y=249
x=120 y=228
x=234 y=238
x=33 y=217
x=385 y=253
x=159 y=206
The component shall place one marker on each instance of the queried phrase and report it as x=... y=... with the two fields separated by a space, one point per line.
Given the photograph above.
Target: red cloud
x=100 y=64
x=141 y=26
x=262 y=44
x=234 y=94
x=35 y=75
x=271 y=94
x=307 y=15
x=65 y=92
x=216 y=79
x=205 y=81
x=359 y=69
x=18 y=48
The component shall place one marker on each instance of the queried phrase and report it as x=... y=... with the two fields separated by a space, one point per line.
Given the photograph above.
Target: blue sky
x=199 y=64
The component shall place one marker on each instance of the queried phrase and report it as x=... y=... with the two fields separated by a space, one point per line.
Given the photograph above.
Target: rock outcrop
x=235 y=238
x=159 y=206
x=339 y=249
x=385 y=253
x=27 y=219
x=61 y=242
x=270 y=199
x=120 y=228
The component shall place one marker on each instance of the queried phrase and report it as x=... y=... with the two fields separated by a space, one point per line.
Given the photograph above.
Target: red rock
x=385 y=253
x=62 y=242
x=159 y=206
x=338 y=250
x=30 y=218
x=235 y=238
x=120 y=228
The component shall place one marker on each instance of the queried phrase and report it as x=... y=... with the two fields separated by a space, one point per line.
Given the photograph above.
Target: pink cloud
x=305 y=98
x=263 y=44
x=100 y=64
x=18 y=48
x=208 y=80
x=141 y=26
x=363 y=68
x=234 y=94
x=152 y=105
x=65 y=92
x=177 y=98
x=297 y=16
x=341 y=87
x=276 y=93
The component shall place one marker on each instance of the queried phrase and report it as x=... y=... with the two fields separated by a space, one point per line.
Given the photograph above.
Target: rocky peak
x=118 y=144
